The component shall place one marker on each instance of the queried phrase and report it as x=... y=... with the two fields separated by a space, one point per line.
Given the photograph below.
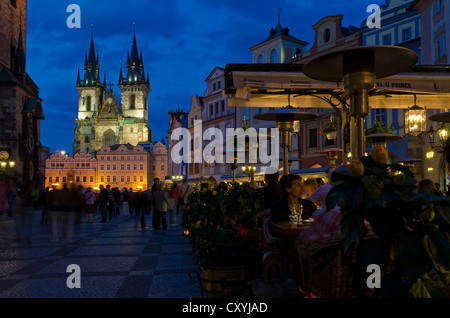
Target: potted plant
x=330 y=128
x=224 y=222
x=411 y=247
x=378 y=127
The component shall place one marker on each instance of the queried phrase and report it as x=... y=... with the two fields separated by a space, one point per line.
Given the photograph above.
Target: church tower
x=91 y=92
x=102 y=119
x=91 y=95
x=135 y=87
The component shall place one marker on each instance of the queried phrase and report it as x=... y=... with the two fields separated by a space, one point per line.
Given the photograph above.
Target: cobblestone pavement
x=117 y=259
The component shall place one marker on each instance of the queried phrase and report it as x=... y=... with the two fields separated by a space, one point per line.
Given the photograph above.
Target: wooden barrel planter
x=216 y=281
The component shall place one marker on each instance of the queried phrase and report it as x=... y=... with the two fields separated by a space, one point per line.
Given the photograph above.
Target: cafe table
x=289 y=232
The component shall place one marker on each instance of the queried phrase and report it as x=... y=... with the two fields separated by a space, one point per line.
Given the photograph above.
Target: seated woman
x=291 y=192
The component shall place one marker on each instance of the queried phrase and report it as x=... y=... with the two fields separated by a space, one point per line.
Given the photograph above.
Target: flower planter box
x=331 y=135
x=217 y=282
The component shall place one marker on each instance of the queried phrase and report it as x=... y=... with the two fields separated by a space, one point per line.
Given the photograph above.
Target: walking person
x=140 y=209
x=89 y=204
x=160 y=199
x=103 y=201
x=11 y=200
x=184 y=192
x=44 y=202
x=117 y=201
x=110 y=202
x=154 y=189
x=131 y=201
x=173 y=205
x=125 y=207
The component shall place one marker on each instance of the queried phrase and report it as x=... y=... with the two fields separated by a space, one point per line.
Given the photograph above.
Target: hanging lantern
x=437 y=138
x=415 y=120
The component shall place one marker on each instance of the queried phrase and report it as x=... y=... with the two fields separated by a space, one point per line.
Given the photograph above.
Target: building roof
x=279 y=31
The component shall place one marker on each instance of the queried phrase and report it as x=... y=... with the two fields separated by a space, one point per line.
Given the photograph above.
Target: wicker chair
x=333 y=280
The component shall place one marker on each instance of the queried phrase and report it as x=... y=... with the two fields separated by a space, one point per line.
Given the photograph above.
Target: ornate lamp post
x=358 y=68
x=332 y=154
x=250 y=169
x=284 y=119
x=6 y=162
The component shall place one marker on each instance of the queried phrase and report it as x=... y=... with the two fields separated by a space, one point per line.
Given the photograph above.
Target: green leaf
x=437 y=247
x=424 y=287
x=444 y=212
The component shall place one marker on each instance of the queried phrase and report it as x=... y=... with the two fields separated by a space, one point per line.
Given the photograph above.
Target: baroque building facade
x=102 y=118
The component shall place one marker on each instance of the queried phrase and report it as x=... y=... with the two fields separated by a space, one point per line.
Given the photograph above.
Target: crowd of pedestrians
x=63 y=208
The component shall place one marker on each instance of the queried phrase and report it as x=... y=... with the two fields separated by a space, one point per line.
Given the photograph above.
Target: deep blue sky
x=182 y=41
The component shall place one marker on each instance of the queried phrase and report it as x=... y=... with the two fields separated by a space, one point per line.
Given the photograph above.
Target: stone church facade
x=21 y=108
x=102 y=119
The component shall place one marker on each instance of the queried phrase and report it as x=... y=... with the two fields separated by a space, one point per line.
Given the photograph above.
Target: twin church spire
x=135 y=68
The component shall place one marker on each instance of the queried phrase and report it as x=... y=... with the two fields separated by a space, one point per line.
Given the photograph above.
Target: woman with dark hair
x=291 y=197
x=271 y=190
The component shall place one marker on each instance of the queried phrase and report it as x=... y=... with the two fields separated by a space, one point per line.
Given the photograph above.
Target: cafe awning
x=269 y=85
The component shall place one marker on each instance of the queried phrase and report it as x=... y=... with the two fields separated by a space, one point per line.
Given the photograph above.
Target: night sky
x=182 y=41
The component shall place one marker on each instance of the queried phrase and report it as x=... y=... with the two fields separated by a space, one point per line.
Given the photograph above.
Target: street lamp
x=250 y=169
x=285 y=118
x=6 y=162
x=332 y=155
x=177 y=177
x=438 y=137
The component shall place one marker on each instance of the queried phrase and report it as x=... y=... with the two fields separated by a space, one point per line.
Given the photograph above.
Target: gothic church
x=102 y=119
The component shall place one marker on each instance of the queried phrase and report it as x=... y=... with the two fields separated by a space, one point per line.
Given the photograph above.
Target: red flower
x=242 y=231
